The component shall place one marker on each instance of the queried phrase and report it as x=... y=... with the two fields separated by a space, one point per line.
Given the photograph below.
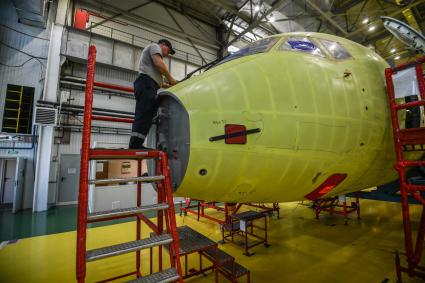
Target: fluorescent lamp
x=232 y=49
x=365 y=21
x=396 y=57
x=393 y=50
x=371 y=28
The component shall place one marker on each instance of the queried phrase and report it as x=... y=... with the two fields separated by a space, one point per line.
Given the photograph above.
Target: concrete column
x=51 y=84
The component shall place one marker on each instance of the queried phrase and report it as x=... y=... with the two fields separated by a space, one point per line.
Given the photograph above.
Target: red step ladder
x=164 y=205
x=412 y=139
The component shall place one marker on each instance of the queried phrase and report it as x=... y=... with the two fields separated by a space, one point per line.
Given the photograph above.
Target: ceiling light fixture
x=393 y=50
x=371 y=28
x=396 y=57
x=257 y=8
x=365 y=21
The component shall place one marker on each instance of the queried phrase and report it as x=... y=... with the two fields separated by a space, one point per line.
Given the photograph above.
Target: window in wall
x=301 y=44
x=258 y=46
x=17 y=115
x=335 y=49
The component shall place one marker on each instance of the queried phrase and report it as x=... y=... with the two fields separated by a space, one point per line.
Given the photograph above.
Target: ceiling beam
x=213 y=20
x=274 y=6
x=117 y=15
x=146 y=22
x=392 y=14
x=223 y=5
x=327 y=16
x=188 y=38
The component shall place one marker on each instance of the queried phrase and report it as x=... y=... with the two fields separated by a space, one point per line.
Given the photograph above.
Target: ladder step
x=168 y=275
x=99 y=153
x=128 y=247
x=147 y=179
x=416 y=187
x=126 y=211
x=416 y=163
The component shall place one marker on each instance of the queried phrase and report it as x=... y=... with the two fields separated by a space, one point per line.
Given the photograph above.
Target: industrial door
x=69 y=178
x=18 y=192
x=9 y=180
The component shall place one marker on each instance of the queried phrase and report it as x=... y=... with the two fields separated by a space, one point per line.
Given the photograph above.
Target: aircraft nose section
x=170 y=133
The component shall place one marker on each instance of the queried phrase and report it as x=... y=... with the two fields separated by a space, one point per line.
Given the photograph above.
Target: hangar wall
x=21 y=69
x=119 y=45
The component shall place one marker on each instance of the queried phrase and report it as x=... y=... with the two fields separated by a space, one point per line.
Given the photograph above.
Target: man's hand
x=172 y=81
x=165 y=85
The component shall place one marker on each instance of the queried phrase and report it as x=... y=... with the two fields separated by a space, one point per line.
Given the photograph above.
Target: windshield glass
x=259 y=46
x=301 y=44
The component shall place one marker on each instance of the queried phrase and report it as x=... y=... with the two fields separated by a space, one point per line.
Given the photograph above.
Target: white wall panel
x=104 y=49
x=124 y=56
x=74 y=147
x=177 y=69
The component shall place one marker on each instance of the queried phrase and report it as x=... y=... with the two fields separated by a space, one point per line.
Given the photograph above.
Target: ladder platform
x=128 y=247
x=146 y=179
x=168 y=275
x=412 y=136
x=125 y=212
x=102 y=153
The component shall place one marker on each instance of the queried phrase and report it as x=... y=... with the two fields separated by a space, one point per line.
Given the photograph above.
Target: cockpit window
x=335 y=49
x=258 y=46
x=302 y=44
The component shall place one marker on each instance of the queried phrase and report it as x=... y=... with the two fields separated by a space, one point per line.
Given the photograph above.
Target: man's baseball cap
x=167 y=43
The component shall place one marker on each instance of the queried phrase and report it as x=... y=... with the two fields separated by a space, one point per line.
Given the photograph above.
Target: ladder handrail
x=84 y=168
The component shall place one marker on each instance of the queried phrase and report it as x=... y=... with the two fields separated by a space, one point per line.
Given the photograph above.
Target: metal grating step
x=222 y=256
x=238 y=269
x=147 y=179
x=168 y=275
x=128 y=247
x=125 y=211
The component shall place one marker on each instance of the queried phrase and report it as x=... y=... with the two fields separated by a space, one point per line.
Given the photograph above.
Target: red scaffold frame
x=163 y=187
x=403 y=138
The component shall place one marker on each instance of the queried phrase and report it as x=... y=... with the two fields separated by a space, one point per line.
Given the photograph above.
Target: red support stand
x=197 y=207
x=200 y=205
x=412 y=139
x=337 y=205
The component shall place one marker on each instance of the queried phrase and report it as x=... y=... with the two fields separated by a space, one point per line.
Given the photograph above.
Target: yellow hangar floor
x=302 y=249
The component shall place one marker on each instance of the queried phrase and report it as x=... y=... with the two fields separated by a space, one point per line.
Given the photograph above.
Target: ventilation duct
x=31 y=12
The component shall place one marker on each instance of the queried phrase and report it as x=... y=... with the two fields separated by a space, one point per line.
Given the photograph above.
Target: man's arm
x=162 y=68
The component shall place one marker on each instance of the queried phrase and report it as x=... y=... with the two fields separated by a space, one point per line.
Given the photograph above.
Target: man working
x=151 y=70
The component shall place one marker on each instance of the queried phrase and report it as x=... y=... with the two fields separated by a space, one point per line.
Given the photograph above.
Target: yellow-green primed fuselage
x=318 y=116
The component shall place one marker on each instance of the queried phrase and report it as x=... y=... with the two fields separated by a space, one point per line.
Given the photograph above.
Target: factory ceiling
x=248 y=20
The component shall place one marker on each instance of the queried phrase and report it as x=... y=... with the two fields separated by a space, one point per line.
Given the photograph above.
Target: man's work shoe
x=136 y=143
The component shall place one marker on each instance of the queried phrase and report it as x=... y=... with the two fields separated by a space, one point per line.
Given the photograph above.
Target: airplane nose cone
x=171 y=133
